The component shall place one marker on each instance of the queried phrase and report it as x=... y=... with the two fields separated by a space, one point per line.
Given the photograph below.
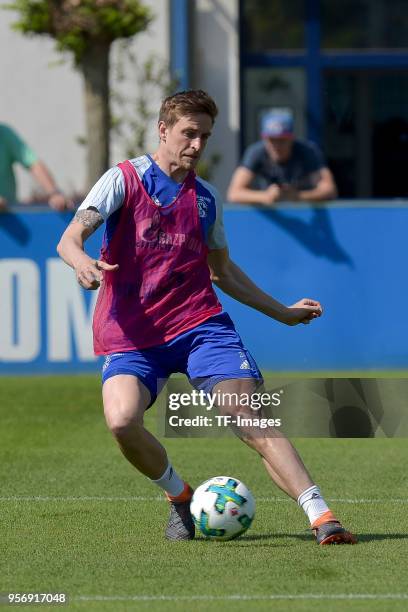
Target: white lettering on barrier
x=67 y=313
x=19 y=310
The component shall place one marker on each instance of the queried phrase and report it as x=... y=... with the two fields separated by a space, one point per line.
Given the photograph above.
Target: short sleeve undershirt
x=108 y=194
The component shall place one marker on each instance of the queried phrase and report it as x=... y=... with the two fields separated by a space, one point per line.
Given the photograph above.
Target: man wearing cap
x=280 y=167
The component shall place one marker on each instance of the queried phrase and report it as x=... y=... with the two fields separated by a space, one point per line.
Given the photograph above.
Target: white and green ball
x=222 y=508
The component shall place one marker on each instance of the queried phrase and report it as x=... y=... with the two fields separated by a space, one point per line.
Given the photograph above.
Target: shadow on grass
x=370 y=537
x=274 y=538
x=367 y=537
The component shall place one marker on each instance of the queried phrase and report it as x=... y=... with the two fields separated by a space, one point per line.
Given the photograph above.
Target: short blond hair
x=189 y=102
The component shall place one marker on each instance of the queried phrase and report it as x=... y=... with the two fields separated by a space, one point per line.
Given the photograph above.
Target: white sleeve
x=108 y=194
x=216 y=235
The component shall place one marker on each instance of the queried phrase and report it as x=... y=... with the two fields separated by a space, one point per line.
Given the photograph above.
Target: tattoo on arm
x=91 y=219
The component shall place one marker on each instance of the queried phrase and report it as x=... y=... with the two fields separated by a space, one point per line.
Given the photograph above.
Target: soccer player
x=157 y=312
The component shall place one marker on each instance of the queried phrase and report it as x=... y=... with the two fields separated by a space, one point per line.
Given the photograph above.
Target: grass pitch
x=76 y=518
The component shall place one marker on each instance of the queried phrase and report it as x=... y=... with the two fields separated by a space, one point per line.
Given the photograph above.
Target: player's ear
x=162 y=131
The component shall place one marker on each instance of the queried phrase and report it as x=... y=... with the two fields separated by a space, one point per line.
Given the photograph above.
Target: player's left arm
x=232 y=280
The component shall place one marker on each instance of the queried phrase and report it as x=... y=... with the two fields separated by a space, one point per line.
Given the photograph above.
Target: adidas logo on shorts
x=106 y=362
x=245 y=365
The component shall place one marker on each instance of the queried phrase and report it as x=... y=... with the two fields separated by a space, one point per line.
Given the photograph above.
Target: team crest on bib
x=202 y=203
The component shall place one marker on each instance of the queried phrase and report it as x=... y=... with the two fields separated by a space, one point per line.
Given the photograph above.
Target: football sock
x=315 y=507
x=184 y=496
x=170 y=482
x=325 y=518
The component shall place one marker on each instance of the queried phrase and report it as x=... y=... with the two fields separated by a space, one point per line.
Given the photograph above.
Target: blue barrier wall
x=350 y=257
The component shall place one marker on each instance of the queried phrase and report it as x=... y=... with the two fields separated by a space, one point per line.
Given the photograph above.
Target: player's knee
x=236 y=410
x=244 y=422
x=125 y=428
x=123 y=421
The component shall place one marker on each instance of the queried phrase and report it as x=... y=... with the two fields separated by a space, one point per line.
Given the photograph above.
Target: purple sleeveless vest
x=162 y=287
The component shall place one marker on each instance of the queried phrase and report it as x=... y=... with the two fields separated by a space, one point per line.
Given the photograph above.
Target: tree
x=133 y=114
x=86 y=29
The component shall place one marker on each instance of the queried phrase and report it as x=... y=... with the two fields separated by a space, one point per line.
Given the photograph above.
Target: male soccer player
x=157 y=312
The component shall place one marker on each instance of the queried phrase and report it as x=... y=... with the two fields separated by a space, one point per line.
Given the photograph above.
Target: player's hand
x=3 y=203
x=90 y=273
x=271 y=195
x=303 y=311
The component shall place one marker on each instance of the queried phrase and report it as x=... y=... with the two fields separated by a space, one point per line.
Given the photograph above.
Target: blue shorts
x=207 y=354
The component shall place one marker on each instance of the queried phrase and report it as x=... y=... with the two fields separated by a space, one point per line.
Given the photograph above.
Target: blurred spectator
x=13 y=149
x=281 y=168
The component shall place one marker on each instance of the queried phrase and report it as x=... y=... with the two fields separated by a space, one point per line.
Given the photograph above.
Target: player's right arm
x=71 y=248
x=104 y=198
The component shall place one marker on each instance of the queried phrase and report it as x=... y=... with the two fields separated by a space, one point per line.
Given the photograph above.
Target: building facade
x=341 y=66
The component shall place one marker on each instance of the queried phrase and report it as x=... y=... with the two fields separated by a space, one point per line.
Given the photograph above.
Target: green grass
x=54 y=444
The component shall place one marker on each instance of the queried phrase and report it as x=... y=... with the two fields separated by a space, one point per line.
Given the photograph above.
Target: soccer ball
x=222 y=508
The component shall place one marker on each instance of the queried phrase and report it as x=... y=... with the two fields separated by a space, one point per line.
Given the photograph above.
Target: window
x=267 y=88
x=341 y=66
x=270 y=25
x=366 y=131
x=364 y=24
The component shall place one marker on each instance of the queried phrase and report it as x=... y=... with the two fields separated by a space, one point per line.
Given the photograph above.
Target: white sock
x=312 y=503
x=170 y=482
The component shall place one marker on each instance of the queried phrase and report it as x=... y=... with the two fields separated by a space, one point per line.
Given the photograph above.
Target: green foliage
x=133 y=115
x=35 y=16
x=206 y=166
x=78 y=24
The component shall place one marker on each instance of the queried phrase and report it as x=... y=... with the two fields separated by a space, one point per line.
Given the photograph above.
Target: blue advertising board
x=350 y=257
x=45 y=317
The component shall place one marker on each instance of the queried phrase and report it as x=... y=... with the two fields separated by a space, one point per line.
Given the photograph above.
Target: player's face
x=186 y=139
x=279 y=149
